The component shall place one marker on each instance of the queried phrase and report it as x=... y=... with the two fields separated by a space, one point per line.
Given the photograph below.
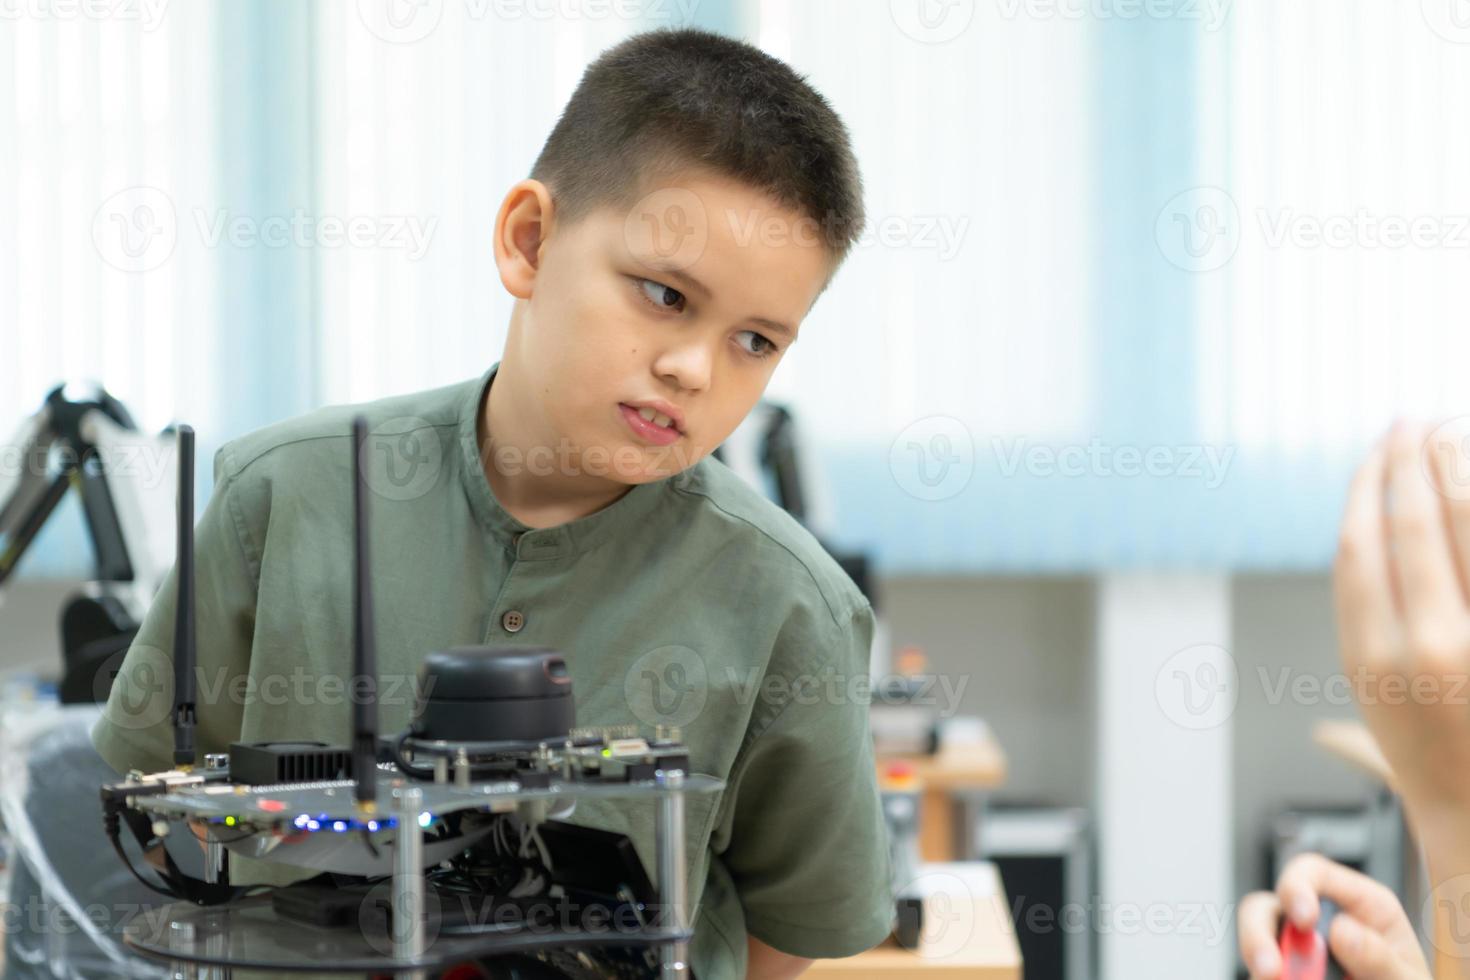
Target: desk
x=989 y=953
x=951 y=770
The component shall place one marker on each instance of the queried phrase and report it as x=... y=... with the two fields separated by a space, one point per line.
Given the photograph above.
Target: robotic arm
x=83 y=438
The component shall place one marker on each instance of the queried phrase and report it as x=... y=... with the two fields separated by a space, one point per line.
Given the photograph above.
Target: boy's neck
x=536 y=499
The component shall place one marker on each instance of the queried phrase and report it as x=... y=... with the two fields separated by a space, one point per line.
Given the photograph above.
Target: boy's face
x=676 y=306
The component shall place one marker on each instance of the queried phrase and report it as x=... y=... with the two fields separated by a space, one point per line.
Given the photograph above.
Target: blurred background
x=1141 y=282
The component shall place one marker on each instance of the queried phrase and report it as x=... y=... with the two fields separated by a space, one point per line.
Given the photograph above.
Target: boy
x=565 y=499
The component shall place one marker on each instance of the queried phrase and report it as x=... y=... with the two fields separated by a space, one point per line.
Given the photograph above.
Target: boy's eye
x=664 y=297
x=758 y=344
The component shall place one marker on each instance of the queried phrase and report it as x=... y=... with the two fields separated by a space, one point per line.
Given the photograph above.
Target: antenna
x=185 y=632
x=364 y=640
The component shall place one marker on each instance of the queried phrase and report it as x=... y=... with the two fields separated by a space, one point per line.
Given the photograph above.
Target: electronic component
x=482 y=694
x=274 y=763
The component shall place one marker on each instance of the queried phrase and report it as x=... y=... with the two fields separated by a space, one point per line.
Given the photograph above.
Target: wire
x=409 y=769
x=111 y=823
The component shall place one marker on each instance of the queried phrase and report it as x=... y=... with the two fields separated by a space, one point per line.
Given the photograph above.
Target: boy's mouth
x=650 y=425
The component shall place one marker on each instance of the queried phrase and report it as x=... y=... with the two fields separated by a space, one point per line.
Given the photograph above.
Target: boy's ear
x=521 y=230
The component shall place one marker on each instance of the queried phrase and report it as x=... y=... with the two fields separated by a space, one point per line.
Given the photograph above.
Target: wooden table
x=989 y=953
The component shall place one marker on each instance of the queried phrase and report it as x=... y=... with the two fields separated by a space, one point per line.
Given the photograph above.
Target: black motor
x=488 y=694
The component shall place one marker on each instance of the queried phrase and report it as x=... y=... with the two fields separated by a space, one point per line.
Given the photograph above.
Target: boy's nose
x=687 y=364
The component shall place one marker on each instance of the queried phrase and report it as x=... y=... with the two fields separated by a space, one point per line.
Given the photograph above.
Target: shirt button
x=513 y=621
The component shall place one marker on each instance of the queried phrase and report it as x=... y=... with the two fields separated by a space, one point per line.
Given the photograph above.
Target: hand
x=1403 y=618
x=1370 y=936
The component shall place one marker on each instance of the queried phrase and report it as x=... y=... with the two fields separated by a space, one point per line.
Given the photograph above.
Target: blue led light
x=301 y=820
x=339 y=825
x=425 y=818
x=313 y=825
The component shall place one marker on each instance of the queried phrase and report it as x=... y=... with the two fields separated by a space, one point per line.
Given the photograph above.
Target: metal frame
x=407 y=799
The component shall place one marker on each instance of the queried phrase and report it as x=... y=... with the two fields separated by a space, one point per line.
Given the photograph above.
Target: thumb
x=1365 y=955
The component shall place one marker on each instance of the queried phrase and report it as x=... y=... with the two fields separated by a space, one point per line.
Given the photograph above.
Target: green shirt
x=690 y=601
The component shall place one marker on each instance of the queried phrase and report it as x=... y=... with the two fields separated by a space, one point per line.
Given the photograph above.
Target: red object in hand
x=1303 y=954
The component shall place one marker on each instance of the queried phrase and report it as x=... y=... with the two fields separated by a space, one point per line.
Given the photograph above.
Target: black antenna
x=364 y=641
x=185 y=632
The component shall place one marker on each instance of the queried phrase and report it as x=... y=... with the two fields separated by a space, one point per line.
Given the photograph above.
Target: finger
x=1256 y=924
x=1366 y=617
x=1447 y=451
x=1308 y=876
x=1365 y=955
x=1419 y=549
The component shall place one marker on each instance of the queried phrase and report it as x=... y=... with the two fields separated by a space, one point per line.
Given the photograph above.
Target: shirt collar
x=627 y=512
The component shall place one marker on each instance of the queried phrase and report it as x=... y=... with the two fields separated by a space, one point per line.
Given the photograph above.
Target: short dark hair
x=672 y=98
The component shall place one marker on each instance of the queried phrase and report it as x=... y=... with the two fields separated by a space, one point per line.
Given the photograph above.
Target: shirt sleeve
x=135 y=730
x=807 y=843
